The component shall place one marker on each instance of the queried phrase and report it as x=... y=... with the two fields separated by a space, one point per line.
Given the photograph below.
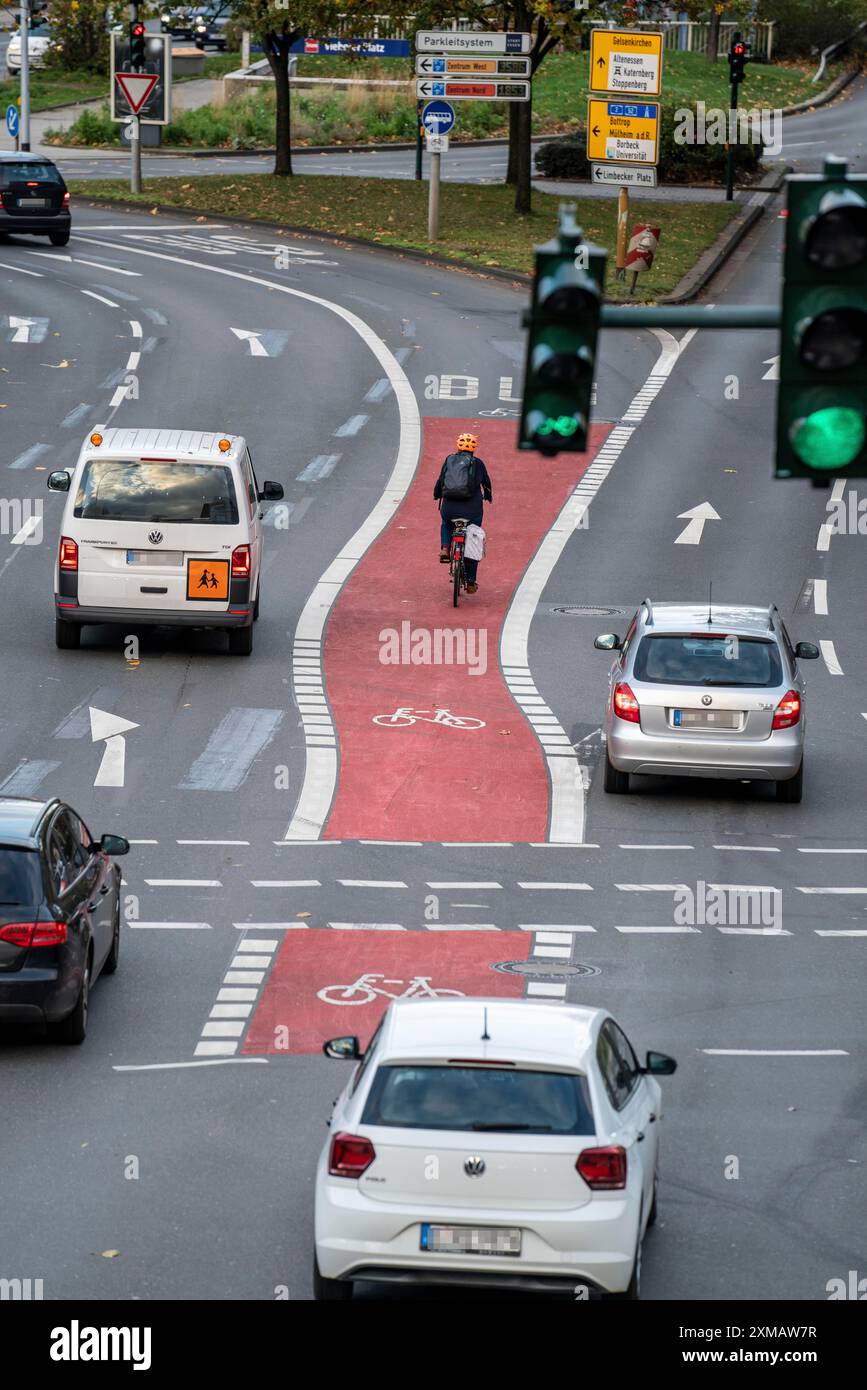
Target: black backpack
x=459 y=477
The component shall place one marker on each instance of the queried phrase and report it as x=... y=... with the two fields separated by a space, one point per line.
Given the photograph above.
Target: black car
x=179 y=21
x=211 y=30
x=33 y=198
x=59 y=914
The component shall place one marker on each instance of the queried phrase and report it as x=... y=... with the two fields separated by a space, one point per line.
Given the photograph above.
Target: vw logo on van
x=707 y=699
x=155 y=537
x=474 y=1166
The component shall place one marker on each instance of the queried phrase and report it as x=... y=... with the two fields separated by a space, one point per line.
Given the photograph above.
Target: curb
x=824 y=97
x=710 y=261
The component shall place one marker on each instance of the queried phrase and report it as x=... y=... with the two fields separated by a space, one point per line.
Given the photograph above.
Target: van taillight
x=29 y=934
x=350 y=1155
x=68 y=554
x=604 y=1170
x=241 y=562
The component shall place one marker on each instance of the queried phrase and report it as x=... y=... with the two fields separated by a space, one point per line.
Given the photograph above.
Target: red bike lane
x=387 y=648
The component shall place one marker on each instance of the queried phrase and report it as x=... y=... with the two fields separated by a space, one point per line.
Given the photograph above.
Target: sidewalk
x=185 y=96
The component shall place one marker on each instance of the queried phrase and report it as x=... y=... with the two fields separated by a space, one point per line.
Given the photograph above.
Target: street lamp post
x=24 y=26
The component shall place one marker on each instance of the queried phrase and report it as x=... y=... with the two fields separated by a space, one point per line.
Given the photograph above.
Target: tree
x=80 y=34
x=276 y=25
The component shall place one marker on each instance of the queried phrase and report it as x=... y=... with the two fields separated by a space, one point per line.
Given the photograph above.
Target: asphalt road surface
x=431 y=851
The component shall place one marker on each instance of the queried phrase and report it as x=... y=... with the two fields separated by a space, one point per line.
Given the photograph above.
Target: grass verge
x=478 y=224
x=49 y=89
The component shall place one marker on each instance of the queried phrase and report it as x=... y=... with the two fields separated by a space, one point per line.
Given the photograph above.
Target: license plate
x=706 y=718
x=471 y=1240
x=162 y=558
x=32 y=202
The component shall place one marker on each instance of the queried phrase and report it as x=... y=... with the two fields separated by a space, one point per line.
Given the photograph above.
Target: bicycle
x=405 y=715
x=419 y=987
x=457 y=567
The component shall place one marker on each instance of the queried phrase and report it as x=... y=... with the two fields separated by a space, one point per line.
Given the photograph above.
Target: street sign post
x=467 y=89
x=437 y=117
x=471 y=67
x=623 y=175
x=625 y=62
x=157 y=108
x=622 y=132
x=475 y=41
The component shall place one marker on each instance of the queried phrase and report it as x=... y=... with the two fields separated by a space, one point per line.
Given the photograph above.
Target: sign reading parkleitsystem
x=622 y=132
x=471 y=41
x=626 y=62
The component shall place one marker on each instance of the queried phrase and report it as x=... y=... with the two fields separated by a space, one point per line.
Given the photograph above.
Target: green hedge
x=678 y=163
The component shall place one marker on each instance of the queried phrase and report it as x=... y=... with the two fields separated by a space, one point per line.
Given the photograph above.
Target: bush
x=678 y=163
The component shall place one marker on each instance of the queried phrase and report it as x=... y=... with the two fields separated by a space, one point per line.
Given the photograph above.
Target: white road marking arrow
x=22 y=329
x=696 y=518
x=773 y=366
x=246 y=335
x=111 y=728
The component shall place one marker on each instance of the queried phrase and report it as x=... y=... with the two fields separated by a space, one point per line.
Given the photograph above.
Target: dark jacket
x=470 y=507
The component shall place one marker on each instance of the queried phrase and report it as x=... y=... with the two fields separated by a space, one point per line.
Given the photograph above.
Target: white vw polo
x=160 y=527
x=490 y=1142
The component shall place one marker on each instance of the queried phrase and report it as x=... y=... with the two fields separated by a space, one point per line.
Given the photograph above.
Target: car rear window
x=129 y=490
x=491 y=1099
x=16 y=171
x=20 y=879
x=693 y=659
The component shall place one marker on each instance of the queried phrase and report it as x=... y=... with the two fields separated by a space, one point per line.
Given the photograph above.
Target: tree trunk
x=512 y=167
x=713 y=35
x=277 y=49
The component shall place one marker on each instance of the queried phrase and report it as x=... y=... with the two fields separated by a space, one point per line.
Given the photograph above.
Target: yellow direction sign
x=625 y=62
x=622 y=132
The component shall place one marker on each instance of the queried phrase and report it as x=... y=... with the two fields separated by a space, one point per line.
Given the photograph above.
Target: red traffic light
x=739 y=48
x=137 y=30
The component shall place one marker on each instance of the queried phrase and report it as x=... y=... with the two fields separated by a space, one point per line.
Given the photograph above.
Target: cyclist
x=462 y=485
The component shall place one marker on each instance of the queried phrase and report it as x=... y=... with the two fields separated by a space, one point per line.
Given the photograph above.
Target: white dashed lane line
x=829 y=656
x=91 y=294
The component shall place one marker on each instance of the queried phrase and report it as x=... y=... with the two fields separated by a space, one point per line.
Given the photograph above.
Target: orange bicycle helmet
x=466 y=442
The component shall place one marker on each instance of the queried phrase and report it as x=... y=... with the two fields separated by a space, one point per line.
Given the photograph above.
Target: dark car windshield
x=129 y=490
x=22 y=170
x=20 y=879
x=696 y=659
x=488 y=1099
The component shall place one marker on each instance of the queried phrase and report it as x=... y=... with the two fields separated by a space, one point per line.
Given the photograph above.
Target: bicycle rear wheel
x=458 y=575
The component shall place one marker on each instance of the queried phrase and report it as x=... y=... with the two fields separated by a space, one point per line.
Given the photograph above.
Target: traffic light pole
x=24 y=142
x=419 y=141
x=135 y=141
x=730 y=152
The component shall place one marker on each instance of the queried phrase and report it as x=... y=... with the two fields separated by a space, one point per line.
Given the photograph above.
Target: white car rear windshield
x=498 y=1100
x=694 y=659
x=197 y=494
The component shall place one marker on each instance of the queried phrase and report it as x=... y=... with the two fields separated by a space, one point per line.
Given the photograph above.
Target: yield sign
x=136 y=87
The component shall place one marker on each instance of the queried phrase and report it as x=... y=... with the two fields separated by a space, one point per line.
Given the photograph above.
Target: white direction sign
x=623 y=175
x=471 y=89
x=472 y=41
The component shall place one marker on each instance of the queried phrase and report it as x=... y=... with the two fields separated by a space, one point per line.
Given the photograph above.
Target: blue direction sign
x=13 y=120
x=438 y=117
x=359 y=48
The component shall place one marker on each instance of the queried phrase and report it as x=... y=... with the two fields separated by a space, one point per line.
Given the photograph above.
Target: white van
x=160 y=527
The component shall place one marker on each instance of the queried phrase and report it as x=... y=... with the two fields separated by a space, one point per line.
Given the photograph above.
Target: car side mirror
x=59 y=481
x=271 y=492
x=806 y=651
x=114 y=844
x=659 y=1064
x=607 y=642
x=342 y=1049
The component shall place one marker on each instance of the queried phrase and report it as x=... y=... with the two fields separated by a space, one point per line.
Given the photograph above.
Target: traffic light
x=822 y=400
x=561 y=347
x=738 y=59
x=137 y=44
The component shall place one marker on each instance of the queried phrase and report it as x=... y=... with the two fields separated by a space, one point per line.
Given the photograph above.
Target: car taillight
x=788 y=711
x=68 y=554
x=603 y=1169
x=28 y=934
x=2 y=204
x=350 y=1155
x=66 y=200
x=241 y=562
x=625 y=704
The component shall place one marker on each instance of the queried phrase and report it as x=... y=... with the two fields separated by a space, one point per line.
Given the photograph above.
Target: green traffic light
x=564 y=425
x=829 y=439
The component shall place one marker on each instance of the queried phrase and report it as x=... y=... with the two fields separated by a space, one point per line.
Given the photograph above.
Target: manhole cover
x=586 y=610
x=544 y=969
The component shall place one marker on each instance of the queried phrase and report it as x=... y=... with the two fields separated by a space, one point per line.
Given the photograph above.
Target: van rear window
x=197 y=494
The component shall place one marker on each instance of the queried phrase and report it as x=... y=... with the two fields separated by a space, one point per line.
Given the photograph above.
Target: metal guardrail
x=832 y=48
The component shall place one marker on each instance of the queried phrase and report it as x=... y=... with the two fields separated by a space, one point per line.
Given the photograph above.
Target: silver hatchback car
x=706 y=691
